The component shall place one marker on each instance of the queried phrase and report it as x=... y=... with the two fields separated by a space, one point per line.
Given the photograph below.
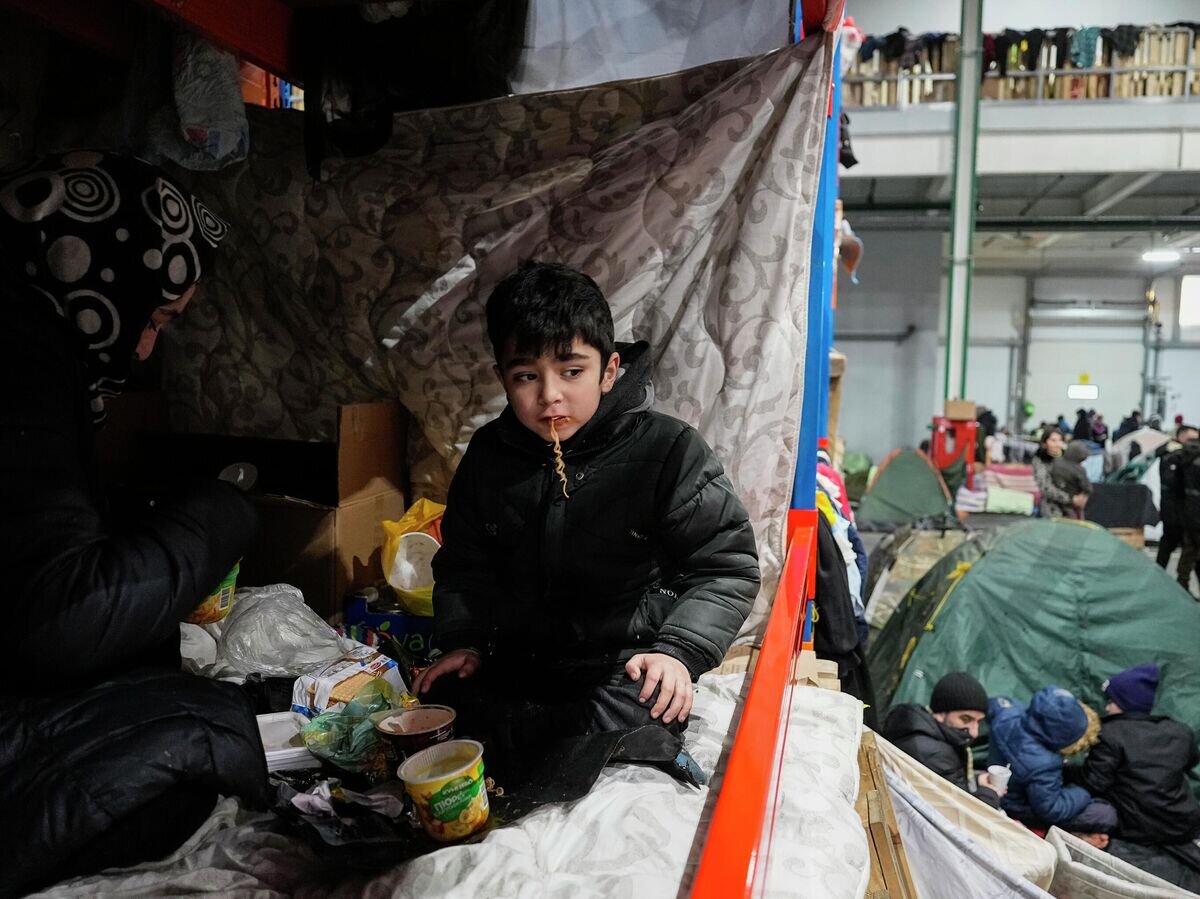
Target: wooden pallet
x=890 y=874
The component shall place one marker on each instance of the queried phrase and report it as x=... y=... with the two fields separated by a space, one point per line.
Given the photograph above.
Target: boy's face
x=547 y=387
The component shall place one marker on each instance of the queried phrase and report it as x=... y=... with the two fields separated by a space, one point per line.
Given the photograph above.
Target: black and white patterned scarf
x=105 y=239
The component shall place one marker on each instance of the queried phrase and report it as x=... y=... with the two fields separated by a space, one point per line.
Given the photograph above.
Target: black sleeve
x=92 y=598
x=108 y=597
x=704 y=530
x=1100 y=769
x=946 y=762
x=987 y=796
x=460 y=568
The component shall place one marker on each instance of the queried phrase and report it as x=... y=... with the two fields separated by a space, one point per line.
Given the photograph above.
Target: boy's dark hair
x=543 y=307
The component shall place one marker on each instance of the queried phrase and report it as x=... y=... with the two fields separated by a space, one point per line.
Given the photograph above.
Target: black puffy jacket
x=1140 y=765
x=85 y=603
x=943 y=750
x=1189 y=485
x=653 y=551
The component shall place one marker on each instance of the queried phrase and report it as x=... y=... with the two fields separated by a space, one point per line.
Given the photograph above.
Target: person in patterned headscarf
x=112 y=247
x=109 y=754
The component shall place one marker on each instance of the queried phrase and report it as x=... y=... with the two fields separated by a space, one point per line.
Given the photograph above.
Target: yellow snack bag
x=408 y=548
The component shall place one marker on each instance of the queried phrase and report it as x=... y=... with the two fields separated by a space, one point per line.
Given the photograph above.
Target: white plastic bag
x=272 y=632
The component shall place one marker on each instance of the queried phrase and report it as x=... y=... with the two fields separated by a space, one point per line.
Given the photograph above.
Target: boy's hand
x=465 y=661
x=672 y=679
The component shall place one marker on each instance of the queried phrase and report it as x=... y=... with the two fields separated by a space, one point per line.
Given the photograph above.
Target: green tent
x=907 y=489
x=1042 y=602
x=1133 y=471
x=856 y=470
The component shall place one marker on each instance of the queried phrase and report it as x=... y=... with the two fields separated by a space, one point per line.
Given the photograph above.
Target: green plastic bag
x=347 y=736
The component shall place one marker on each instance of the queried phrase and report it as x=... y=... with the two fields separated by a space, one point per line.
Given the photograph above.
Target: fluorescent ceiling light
x=1163 y=255
x=1189 y=302
x=1083 y=392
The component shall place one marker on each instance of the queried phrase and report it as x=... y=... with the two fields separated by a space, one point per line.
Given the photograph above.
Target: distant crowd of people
x=1065 y=486
x=1118 y=781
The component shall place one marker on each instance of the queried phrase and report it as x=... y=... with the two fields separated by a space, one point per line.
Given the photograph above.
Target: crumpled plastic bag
x=272 y=632
x=409 y=576
x=347 y=736
x=206 y=128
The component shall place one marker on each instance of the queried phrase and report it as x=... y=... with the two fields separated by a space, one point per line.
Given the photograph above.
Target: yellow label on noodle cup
x=446 y=785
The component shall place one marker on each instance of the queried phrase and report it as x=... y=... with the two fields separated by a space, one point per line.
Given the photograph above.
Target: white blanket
x=638 y=833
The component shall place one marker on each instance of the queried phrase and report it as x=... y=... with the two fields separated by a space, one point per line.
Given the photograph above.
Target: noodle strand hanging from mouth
x=560 y=467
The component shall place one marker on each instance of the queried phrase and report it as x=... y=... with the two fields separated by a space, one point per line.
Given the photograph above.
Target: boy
x=590 y=586
x=940 y=736
x=1067 y=473
x=1033 y=742
x=1141 y=763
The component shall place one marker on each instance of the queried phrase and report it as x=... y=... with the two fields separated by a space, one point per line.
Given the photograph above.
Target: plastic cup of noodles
x=446 y=785
x=999 y=775
x=218 y=603
x=411 y=730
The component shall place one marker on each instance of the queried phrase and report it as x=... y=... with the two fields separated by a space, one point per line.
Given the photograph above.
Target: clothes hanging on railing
x=1005 y=42
x=1123 y=39
x=1083 y=47
x=1062 y=47
x=1034 y=40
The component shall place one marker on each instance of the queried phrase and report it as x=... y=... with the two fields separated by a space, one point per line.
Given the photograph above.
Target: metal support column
x=1021 y=385
x=962 y=222
x=814 y=417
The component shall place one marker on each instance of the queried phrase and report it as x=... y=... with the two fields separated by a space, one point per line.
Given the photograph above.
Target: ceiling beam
x=1111 y=190
x=939 y=189
x=1184 y=239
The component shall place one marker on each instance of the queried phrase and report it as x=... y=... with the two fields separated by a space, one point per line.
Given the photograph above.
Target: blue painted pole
x=814 y=416
x=829 y=192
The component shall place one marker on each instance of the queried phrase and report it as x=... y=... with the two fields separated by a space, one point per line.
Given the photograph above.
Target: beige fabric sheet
x=1016 y=848
x=689 y=197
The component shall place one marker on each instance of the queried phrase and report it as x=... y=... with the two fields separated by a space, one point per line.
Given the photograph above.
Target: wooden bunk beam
x=98 y=24
x=259 y=31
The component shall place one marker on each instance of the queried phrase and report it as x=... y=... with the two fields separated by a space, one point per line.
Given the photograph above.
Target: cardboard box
x=1135 y=537
x=960 y=410
x=321 y=504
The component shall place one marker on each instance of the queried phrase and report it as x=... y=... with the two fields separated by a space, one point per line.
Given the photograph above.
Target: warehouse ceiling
x=1048 y=222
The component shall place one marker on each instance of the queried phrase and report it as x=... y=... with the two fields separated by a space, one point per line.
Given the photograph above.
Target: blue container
x=413 y=632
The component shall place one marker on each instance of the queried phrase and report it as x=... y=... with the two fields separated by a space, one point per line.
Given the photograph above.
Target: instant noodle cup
x=446 y=785
x=218 y=603
x=408 y=731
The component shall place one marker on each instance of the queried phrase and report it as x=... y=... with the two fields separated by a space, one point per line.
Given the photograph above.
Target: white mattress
x=636 y=834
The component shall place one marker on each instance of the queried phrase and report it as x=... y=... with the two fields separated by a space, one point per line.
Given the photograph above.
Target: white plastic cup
x=999 y=776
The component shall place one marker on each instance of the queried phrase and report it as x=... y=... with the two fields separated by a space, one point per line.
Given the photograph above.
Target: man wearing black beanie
x=939 y=736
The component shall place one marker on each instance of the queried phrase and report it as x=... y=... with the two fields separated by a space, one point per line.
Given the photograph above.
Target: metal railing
x=1112 y=77
x=738 y=844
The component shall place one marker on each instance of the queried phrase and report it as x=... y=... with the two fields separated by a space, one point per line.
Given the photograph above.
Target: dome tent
x=1042 y=602
x=907 y=489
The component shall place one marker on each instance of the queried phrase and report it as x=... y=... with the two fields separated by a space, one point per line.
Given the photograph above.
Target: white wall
x=889 y=392
x=883 y=16
x=893 y=388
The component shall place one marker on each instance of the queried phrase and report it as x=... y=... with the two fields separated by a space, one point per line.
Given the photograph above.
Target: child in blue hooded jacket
x=1033 y=742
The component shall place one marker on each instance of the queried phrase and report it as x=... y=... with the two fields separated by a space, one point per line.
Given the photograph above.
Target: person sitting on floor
x=1140 y=765
x=940 y=736
x=109 y=754
x=596 y=558
x=1033 y=741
